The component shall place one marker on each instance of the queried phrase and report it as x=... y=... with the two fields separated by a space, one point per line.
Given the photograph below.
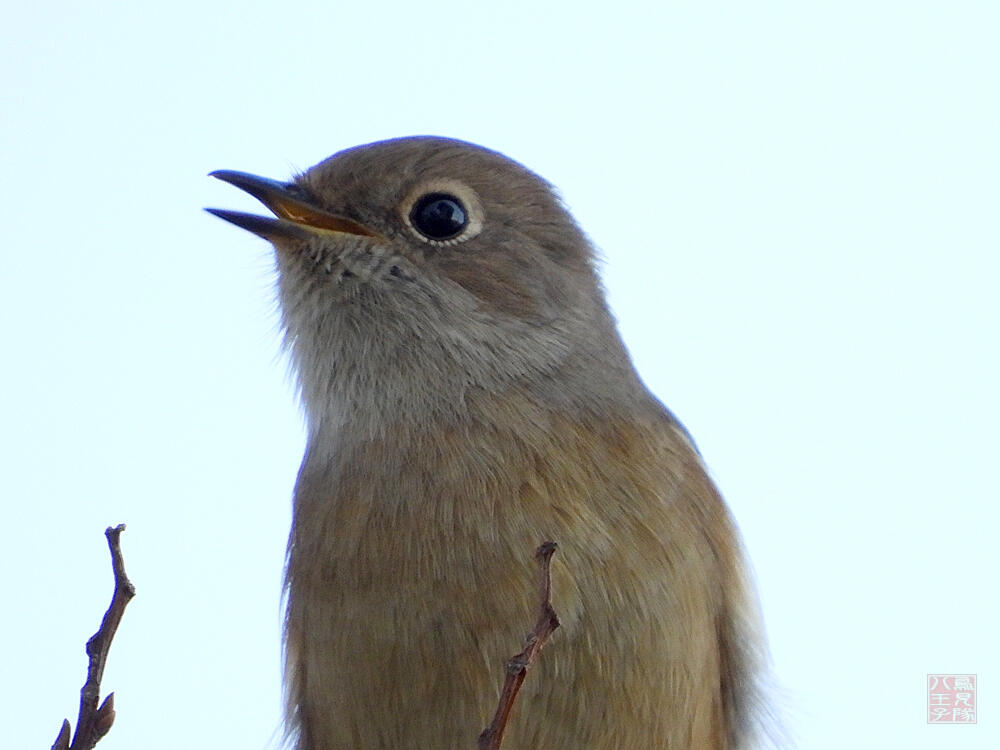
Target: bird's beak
x=297 y=219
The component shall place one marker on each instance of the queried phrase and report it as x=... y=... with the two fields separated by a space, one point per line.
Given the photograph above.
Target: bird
x=467 y=396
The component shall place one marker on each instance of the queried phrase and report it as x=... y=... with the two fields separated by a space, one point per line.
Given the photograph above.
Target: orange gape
x=468 y=397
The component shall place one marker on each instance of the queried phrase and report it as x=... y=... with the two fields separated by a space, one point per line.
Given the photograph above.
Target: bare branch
x=517 y=667
x=93 y=721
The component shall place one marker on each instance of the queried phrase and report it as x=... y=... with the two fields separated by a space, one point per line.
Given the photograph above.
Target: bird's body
x=468 y=397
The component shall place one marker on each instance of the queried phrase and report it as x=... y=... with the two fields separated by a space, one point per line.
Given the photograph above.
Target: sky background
x=797 y=204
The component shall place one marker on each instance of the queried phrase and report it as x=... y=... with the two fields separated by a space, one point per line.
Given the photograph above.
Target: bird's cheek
x=498 y=285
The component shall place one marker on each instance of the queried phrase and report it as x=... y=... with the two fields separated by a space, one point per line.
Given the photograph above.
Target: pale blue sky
x=798 y=208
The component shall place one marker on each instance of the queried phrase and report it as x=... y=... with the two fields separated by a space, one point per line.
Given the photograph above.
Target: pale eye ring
x=442 y=211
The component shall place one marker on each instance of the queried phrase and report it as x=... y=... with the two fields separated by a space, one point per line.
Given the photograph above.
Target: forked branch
x=517 y=667
x=94 y=721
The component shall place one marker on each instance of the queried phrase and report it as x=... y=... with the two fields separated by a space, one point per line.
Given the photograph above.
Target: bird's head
x=413 y=270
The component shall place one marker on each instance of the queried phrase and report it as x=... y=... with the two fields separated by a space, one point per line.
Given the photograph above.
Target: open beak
x=297 y=219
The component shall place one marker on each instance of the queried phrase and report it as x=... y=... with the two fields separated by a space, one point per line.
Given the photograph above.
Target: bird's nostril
x=297 y=190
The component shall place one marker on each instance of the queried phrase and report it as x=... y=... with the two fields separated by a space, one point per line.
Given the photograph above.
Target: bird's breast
x=412 y=581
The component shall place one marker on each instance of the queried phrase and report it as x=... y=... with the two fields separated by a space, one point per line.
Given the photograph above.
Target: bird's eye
x=439 y=216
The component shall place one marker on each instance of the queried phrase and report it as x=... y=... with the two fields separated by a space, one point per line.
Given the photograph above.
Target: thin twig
x=93 y=721
x=517 y=667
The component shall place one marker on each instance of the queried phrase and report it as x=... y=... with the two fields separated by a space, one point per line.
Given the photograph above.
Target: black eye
x=439 y=216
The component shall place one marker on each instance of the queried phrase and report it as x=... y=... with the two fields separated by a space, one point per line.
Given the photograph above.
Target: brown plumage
x=468 y=397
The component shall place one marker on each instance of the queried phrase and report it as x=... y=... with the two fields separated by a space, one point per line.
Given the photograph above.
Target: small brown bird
x=467 y=397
